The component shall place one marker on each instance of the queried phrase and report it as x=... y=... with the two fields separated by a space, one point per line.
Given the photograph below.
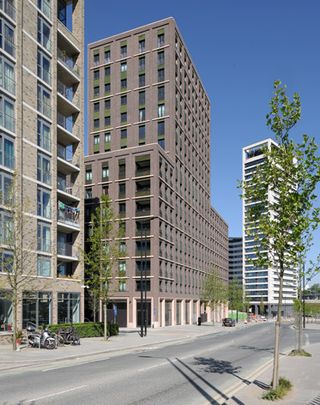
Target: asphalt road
x=196 y=372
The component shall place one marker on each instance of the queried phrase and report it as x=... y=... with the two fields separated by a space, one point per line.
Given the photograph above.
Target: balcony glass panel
x=68 y=61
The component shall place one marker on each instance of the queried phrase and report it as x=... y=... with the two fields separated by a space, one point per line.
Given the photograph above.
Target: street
x=196 y=372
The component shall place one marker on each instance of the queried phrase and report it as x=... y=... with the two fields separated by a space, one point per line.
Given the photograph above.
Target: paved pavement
x=126 y=341
x=303 y=372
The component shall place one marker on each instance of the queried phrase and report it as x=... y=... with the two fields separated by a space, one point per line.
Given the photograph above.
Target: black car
x=228 y=322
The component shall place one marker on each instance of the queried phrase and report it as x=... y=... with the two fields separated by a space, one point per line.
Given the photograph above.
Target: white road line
x=56 y=393
x=307 y=339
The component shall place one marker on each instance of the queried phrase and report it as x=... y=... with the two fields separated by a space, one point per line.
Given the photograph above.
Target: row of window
x=97 y=60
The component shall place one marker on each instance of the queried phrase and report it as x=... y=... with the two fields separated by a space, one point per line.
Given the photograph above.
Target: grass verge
x=299 y=353
x=280 y=392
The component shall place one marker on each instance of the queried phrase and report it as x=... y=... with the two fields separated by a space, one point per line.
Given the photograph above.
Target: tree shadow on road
x=210 y=365
x=257 y=349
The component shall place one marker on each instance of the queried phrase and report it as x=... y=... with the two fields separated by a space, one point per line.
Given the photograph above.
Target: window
x=44 y=237
x=161 y=75
x=7 y=117
x=96 y=91
x=123 y=67
x=107 y=88
x=161 y=143
x=122 y=209
x=123 y=51
x=89 y=175
x=123 y=251
x=107 y=56
x=142 y=114
x=161 y=94
x=96 y=140
x=88 y=193
x=142 y=45
x=105 y=171
x=160 y=40
x=44 y=134
x=6 y=263
x=6 y=227
x=142 y=134
x=123 y=117
x=123 y=100
x=122 y=265
x=7 y=78
x=36 y=308
x=122 y=285
x=123 y=84
x=44 y=101
x=146 y=286
x=43 y=203
x=123 y=138
x=44 y=34
x=107 y=104
x=7 y=37
x=96 y=107
x=96 y=75
x=161 y=110
x=161 y=130
x=96 y=123
x=160 y=58
x=107 y=121
x=6 y=189
x=6 y=151
x=107 y=141
x=142 y=97
x=122 y=190
x=44 y=67
x=122 y=168
x=142 y=63
x=44 y=266
x=68 y=307
x=44 y=169
x=107 y=71
x=96 y=144
x=142 y=80
x=45 y=7
x=96 y=59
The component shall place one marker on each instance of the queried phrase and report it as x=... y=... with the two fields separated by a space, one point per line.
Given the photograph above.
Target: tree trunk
x=15 y=323
x=105 y=332
x=275 y=373
x=300 y=328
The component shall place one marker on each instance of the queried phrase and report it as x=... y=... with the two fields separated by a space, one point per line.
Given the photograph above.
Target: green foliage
x=311 y=308
x=301 y=352
x=280 y=392
x=235 y=295
x=215 y=290
x=87 y=329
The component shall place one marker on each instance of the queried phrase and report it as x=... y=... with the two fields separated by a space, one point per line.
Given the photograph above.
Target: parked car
x=228 y=322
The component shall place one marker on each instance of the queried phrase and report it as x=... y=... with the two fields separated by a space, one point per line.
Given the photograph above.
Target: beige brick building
x=41 y=141
x=149 y=150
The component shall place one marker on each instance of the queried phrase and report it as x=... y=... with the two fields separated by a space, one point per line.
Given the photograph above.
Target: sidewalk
x=303 y=373
x=127 y=340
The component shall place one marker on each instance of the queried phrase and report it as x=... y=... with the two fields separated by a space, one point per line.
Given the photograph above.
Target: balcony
x=68 y=215
x=67 y=190
x=67 y=249
x=8 y=8
x=67 y=103
x=142 y=188
x=67 y=133
x=69 y=63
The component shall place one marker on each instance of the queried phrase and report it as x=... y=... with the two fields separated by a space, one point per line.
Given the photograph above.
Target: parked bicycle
x=68 y=335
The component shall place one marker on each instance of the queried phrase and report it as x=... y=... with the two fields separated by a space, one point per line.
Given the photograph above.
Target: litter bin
x=199 y=321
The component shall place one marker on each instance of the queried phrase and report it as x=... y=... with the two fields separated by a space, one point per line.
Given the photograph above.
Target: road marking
x=307 y=339
x=56 y=393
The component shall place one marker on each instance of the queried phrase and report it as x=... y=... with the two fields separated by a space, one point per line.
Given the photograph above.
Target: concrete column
x=198 y=310
x=163 y=315
x=173 y=312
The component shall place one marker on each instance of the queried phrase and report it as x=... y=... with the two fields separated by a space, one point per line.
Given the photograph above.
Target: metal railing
x=68 y=215
x=8 y=8
x=68 y=62
x=66 y=249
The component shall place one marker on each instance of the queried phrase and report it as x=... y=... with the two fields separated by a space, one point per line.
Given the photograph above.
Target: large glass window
x=44 y=266
x=44 y=101
x=6 y=262
x=5 y=312
x=44 y=67
x=36 y=308
x=7 y=119
x=44 y=134
x=44 y=34
x=6 y=151
x=6 y=189
x=43 y=199
x=161 y=58
x=44 y=169
x=6 y=228
x=7 y=37
x=142 y=114
x=45 y=7
x=68 y=307
x=7 y=79
x=44 y=237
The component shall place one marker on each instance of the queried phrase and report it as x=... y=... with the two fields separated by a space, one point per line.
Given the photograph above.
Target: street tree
x=290 y=173
x=215 y=290
x=101 y=256
x=17 y=247
x=235 y=296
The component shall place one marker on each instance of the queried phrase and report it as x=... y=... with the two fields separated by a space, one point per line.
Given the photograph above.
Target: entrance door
x=148 y=314
x=117 y=313
x=168 y=313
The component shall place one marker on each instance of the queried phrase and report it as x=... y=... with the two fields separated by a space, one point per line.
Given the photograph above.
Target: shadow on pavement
x=257 y=349
x=214 y=366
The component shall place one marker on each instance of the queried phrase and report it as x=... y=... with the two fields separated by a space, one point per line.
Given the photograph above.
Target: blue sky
x=239 y=48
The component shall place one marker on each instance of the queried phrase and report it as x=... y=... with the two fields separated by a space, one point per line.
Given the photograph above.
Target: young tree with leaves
x=235 y=296
x=290 y=173
x=215 y=290
x=101 y=255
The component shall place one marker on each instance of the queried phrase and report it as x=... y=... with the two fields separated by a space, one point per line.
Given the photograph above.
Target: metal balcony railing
x=68 y=215
x=67 y=249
